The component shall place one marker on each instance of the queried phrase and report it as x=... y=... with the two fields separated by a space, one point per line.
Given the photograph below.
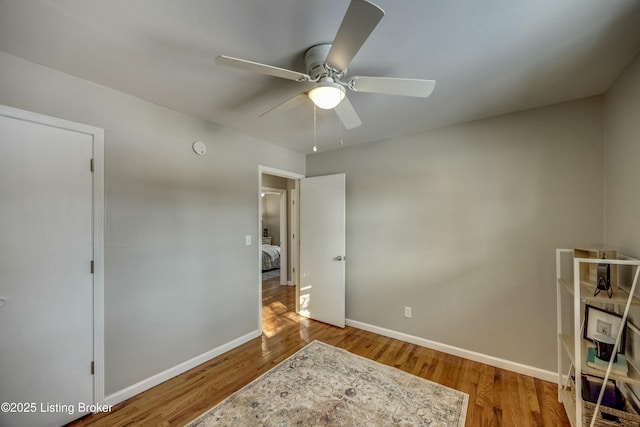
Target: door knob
x=339 y=258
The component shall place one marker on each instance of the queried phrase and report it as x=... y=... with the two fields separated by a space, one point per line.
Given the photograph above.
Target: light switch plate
x=247 y=240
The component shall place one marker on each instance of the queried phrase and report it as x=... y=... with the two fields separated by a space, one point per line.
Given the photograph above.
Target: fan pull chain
x=340 y=142
x=315 y=147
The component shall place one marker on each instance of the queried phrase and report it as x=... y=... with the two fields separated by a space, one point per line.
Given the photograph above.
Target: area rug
x=326 y=386
x=271 y=274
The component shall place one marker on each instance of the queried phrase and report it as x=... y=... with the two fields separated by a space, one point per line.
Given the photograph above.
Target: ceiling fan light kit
x=326 y=65
x=327 y=95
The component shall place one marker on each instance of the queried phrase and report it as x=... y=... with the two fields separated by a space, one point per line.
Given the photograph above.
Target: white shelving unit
x=573 y=344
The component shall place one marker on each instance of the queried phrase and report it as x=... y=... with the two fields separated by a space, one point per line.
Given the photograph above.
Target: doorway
x=278 y=247
x=317 y=253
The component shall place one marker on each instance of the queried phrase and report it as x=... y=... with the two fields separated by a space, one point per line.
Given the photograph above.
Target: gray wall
x=462 y=224
x=271 y=216
x=179 y=280
x=622 y=159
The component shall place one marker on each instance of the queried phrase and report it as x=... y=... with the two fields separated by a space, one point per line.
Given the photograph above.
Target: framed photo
x=599 y=321
x=591 y=386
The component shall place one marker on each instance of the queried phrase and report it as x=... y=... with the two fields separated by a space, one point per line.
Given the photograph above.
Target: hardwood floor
x=496 y=397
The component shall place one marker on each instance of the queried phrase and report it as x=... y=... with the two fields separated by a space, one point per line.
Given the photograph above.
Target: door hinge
x=93 y=365
x=293 y=269
x=91 y=266
x=91 y=165
x=293 y=236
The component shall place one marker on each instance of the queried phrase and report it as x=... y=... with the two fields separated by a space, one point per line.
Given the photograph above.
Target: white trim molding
x=163 y=376
x=460 y=352
x=98 y=264
x=278 y=172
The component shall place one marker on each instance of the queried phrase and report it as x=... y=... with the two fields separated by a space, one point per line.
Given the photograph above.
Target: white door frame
x=284 y=174
x=294 y=243
x=97 y=135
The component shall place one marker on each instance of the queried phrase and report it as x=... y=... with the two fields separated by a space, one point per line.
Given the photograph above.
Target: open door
x=322 y=248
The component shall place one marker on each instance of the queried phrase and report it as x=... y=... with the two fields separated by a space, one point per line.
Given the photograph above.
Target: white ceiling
x=488 y=57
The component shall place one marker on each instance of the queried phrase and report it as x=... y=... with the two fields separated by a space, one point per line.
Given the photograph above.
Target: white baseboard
x=460 y=352
x=146 y=384
x=161 y=377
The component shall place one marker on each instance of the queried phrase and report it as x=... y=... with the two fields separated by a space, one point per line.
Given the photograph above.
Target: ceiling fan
x=326 y=65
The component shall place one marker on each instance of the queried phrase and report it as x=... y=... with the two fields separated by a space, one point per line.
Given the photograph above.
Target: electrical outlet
x=407 y=312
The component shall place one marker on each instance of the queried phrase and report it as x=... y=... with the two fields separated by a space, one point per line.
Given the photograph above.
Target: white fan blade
x=270 y=70
x=393 y=86
x=288 y=104
x=358 y=23
x=347 y=114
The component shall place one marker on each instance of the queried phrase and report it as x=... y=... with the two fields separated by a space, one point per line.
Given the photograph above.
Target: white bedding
x=270 y=257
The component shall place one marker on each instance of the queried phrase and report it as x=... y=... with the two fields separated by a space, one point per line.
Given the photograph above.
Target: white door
x=46 y=285
x=322 y=248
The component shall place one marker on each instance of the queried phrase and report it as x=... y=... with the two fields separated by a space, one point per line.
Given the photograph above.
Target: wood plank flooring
x=496 y=397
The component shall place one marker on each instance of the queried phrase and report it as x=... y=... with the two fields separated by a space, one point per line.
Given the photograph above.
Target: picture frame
x=591 y=386
x=600 y=321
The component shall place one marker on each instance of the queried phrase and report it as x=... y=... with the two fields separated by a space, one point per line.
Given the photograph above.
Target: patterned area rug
x=326 y=386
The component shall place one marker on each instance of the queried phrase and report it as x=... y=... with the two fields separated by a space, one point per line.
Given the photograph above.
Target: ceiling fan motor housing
x=314 y=61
